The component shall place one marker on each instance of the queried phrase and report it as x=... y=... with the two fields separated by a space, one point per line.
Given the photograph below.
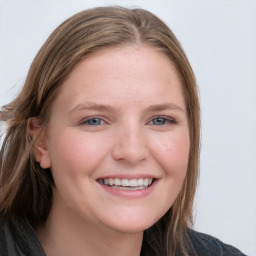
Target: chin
x=133 y=224
x=131 y=229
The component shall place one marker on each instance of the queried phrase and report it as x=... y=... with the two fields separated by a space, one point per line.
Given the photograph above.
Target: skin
x=123 y=91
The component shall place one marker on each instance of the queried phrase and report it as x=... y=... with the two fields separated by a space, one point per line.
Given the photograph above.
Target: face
x=118 y=139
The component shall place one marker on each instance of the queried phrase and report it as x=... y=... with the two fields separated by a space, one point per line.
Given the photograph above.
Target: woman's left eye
x=93 y=121
x=161 y=121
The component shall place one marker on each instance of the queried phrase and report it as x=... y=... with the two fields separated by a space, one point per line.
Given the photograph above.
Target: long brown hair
x=26 y=189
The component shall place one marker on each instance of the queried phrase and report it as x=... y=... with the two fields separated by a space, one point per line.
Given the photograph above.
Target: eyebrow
x=92 y=106
x=167 y=106
x=108 y=108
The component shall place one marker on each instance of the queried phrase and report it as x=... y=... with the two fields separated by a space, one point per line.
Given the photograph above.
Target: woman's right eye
x=93 y=121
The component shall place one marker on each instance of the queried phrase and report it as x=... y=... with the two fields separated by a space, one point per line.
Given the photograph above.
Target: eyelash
x=166 y=121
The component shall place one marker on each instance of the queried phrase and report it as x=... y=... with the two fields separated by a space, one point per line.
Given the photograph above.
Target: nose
x=130 y=145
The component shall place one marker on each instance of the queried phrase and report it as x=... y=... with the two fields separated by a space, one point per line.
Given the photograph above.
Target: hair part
x=26 y=188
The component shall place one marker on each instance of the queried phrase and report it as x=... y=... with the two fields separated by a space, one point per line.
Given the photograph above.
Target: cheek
x=74 y=152
x=172 y=153
x=75 y=157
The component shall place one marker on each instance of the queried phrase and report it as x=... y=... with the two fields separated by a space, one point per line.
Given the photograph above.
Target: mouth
x=127 y=184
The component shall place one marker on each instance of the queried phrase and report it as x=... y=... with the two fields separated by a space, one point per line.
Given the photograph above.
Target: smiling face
x=118 y=141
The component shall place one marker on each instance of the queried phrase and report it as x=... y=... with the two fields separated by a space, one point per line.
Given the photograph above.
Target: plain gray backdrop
x=219 y=37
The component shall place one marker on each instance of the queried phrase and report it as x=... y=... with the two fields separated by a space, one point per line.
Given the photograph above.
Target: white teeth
x=111 y=182
x=145 y=182
x=140 y=182
x=125 y=183
x=117 y=182
x=133 y=183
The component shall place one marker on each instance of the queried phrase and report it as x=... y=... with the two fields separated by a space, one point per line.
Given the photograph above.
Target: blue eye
x=94 y=121
x=159 y=121
x=162 y=121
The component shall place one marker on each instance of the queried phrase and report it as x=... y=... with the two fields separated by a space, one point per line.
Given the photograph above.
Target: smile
x=128 y=184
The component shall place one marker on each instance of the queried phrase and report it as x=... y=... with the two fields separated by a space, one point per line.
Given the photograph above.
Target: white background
x=219 y=37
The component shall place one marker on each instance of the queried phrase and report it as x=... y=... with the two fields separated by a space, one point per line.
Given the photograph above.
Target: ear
x=41 y=152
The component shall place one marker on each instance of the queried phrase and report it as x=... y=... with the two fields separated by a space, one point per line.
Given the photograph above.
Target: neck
x=65 y=235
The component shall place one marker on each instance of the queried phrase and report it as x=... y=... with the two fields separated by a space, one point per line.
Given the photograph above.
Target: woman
x=101 y=153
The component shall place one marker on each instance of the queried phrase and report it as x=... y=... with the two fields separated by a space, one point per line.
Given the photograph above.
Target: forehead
x=138 y=52
x=133 y=70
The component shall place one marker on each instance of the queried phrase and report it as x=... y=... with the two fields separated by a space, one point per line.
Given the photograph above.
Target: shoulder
x=207 y=245
x=17 y=238
x=5 y=238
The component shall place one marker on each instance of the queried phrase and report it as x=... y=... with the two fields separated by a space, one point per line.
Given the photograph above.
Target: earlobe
x=40 y=148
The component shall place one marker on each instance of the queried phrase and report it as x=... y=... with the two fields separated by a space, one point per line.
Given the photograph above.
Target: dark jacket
x=18 y=238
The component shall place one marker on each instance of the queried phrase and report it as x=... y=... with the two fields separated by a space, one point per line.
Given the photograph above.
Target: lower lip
x=140 y=193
